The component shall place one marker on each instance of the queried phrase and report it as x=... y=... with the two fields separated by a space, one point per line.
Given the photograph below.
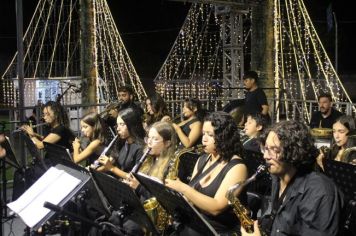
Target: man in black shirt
x=303 y=202
x=326 y=116
x=127 y=99
x=255 y=97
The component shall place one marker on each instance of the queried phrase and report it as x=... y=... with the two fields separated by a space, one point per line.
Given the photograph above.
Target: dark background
x=149 y=28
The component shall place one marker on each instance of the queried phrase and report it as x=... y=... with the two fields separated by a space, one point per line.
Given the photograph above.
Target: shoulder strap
x=200 y=174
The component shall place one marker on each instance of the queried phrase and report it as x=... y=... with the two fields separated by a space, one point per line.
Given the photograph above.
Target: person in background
x=92 y=128
x=303 y=202
x=156 y=109
x=327 y=115
x=253 y=128
x=127 y=100
x=189 y=131
x=218 y=169
x=255 y=97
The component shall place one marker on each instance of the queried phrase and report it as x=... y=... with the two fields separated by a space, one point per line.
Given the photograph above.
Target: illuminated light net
x=52 y=51
x=303 y=69
x=194 y=66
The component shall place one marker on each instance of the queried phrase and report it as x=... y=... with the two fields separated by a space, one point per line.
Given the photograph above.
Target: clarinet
x=96 y=163
x=140 y=162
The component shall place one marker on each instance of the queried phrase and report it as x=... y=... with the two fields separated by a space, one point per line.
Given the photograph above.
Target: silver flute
x=33 y=126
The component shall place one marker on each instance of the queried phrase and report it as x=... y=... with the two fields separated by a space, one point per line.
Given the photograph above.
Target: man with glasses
x=303 y=202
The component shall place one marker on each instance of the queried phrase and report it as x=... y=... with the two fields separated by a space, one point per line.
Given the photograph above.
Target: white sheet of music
x=53 y=187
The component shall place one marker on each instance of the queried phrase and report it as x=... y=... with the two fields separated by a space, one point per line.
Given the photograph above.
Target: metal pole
x=336 y=44
x=20 y=72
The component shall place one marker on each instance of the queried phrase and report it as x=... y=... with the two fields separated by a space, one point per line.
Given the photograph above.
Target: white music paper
x=53 y=187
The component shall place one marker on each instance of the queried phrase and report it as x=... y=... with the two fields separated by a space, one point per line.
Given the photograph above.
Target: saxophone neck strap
x=201 y=174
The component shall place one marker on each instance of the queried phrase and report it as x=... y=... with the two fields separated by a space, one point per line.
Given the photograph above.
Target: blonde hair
x=157 y=167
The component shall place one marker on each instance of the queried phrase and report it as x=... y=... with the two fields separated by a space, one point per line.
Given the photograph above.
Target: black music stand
x=123 y=199
x=56 y=153
x=10 y=157
x=83 y=179
x=344 y=175
x=177 y=206
x=32 y=149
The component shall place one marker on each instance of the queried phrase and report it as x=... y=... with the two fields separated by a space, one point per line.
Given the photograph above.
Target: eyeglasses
x=152 y=140
x=272 y=151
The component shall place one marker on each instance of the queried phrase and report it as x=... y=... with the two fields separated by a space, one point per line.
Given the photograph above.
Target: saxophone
x=173 y=166
x=345 y=156
x=241 y=211
x=155 y=211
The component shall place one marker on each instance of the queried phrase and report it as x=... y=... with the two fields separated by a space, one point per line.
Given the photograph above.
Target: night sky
x=149 y=28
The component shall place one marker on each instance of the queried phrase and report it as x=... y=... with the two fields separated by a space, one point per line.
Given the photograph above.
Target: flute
x=96 y=163
x=34 y=126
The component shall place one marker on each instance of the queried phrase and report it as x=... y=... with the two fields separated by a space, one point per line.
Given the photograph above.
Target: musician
x=220 y=168
x=131 y=132
x=341 y=141
x=162 y=141
x=127 y=99
x=56 y=118
x=156 y=109
x=189 y=130
x=92 y=128
x=303 y=202
x=327 y=115
x=253 y=127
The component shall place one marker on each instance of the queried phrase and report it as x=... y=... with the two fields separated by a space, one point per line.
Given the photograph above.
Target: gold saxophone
x=345 y=156
x=155 y=211
x=240 y=210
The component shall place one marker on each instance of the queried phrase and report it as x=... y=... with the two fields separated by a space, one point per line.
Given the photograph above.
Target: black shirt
x=318 y=121
x=312 y=206
x=128 y=156
x=254 y=101
x=67 y=136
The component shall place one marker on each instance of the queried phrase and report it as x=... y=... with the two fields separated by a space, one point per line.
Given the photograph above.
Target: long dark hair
x=134 y=124
x=95 y=121
x=349 y=123
x=297 y=144
x=159 y=108
x=194 y=103
x=227 y=137
x=59 y=112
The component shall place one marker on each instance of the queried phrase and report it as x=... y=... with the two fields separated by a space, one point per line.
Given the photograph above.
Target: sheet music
x=53 y=187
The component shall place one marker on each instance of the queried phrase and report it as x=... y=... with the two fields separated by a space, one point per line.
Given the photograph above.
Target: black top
x=186 y=129
x=128 y=156
x=318 y=121
x=252 y=144
x=254 y=101
x=312 y=206
x=226 y=221
x=67 y=136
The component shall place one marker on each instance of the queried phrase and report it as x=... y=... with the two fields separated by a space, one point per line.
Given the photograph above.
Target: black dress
x=226 y=223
